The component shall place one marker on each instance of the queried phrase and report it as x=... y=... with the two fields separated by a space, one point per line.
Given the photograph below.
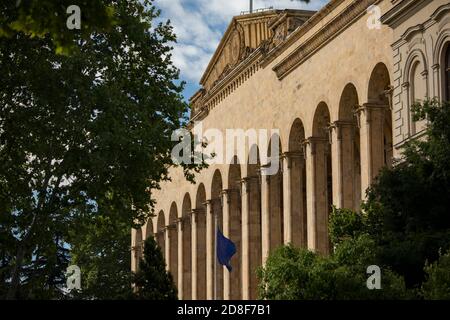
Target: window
x=447 y=73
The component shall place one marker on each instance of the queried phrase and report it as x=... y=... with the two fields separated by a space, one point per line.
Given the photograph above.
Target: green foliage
x=298 y=274
x=48 y=18
x=83 y=138
x=437 y=284
x=403 y=225
x=101 y=246
x=409 y=204
x=152 y=280
x=344 y=224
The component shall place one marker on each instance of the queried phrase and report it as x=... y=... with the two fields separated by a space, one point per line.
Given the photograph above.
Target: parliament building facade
x=338 y=85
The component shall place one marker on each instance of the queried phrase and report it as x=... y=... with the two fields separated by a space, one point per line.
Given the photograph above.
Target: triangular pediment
x=245 y=34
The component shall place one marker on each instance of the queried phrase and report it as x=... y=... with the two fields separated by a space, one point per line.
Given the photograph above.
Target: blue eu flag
x=225 y=250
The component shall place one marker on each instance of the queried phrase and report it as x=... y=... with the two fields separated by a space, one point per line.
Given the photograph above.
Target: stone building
x=338 y=85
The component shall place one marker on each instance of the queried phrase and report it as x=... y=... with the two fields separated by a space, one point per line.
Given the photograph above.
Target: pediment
x=245 y=34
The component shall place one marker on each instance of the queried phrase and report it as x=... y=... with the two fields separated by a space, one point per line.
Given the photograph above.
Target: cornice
x=301 y=31
x=332 y=29
x=402 y=10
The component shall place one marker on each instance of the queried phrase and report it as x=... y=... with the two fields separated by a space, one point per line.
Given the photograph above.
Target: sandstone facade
x=338 y=85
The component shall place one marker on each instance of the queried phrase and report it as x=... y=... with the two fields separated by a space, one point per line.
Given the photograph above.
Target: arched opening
x=275 y=184
x=149 y=229
x=297 y=175
x=235 y=227
x=186 y=249
x=418 y=93
x=217 y=218
x=198 y=219
x=322 y=175
x=348 y=151
x=160 y=235
x=380 y=135
x=253 y=186
x=447 y=72
x=138 y=246
x=173 y=242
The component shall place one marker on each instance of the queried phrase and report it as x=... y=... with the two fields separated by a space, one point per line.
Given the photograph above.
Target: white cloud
x=200 y=24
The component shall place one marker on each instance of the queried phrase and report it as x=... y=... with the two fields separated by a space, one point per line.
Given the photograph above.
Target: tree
x=408 y=208
x=83 y=138
x=33 y=19
x=437 y=283
x=101 y=246
x=152 y=281
x=298 y=274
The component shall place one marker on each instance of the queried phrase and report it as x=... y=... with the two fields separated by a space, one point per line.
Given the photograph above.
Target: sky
x=200 y=24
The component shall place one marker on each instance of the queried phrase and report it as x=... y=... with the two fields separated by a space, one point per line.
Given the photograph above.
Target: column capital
x=312 y=142
x=248 y=181
x=289 y=155
x=262 y=168
x=367 y=109
x=171 y=226
x=195 y=213
x=338 y=126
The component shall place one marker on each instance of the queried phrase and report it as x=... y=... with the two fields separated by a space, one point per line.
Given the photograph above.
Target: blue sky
x=200 y=24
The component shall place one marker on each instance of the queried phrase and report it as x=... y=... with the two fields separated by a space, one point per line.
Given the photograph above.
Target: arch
x=381 y=128
x=322 y=175
x=253 y=188
x=275 y=196
x=149 y=229
x=379 y=82
x=321 y=121
x=446 y=71
x=439 y=54
x=200 y=197
x=198 y=238
x=160 y=237
x=173 y=241
x=297 y=184
x=234 y=227
x=138 y=246
x=416 y=83
x=348 y=152
x=216 y=210
x=186 y=264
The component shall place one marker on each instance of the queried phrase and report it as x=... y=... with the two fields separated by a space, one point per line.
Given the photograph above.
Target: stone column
x=287 y=198
x=342 y=144
x=167 y=246
x=194 y=217
x=310 y=154
x=245 y=198
x=317 y=194
x=371 y=119
x=226 y=199
x=181 y=253
x=265 y=214
x=436 y=82
x=209 y=250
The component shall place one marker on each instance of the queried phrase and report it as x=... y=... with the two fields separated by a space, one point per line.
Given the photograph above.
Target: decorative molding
x=332 y=29
x=401 y=11
x=301 y=31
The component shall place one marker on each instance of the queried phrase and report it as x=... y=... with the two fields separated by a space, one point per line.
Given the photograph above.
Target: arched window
x=418 y=92
x=447 y=73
